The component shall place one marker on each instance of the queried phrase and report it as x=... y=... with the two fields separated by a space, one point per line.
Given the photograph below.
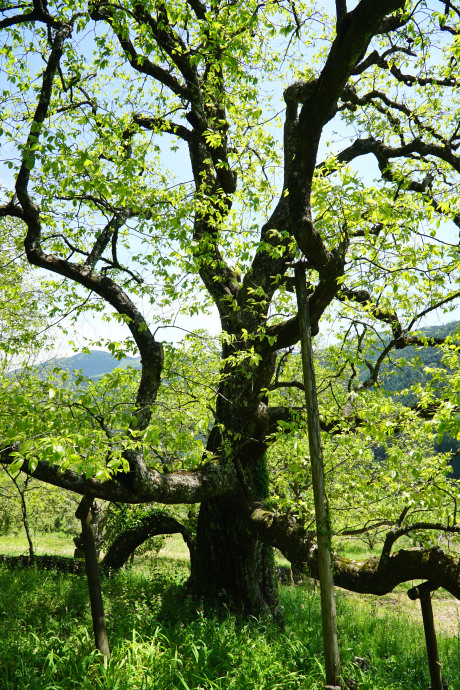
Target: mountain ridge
x=93 y=364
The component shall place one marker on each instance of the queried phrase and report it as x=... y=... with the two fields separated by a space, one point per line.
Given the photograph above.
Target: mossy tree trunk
x=232 y=563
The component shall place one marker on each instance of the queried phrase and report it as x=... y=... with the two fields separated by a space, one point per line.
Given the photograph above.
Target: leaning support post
x=328 y=608
x=85 y=513
x=423 y=592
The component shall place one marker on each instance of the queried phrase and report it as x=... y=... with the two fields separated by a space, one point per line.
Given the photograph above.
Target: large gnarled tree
x=100 y=99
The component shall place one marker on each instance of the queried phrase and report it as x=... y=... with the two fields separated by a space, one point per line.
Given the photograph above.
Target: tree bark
x=84 y=513
x=233 y=563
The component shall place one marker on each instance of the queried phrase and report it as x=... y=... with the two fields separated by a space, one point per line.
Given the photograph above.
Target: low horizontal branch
x=148 y=526
x=371 y=576
x=185 y=487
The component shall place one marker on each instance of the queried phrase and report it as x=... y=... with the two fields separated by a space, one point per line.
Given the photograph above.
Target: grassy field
x=44 y=544
x=161 y=638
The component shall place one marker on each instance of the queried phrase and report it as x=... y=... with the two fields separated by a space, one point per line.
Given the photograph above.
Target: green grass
x=52 y=544
x=175 y=548
x=356 y=549
x=161 y=638
x=60 y=544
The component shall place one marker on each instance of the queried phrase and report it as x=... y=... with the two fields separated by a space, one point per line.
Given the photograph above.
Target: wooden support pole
x=84 y=513
x=328 y=607
x=423 y=592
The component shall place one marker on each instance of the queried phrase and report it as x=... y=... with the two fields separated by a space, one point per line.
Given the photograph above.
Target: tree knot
x=300 y=91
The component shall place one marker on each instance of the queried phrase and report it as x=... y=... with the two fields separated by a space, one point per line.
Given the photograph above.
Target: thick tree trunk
x=232 y=563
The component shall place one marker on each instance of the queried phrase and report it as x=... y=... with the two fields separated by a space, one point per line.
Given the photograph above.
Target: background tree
x=101 y=97
x=48 y=509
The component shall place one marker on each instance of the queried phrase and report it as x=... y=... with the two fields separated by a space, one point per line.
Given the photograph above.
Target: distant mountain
x=398 y=374
x=93 y=365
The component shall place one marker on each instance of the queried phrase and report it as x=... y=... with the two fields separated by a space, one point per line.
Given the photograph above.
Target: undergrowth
x=161 y=638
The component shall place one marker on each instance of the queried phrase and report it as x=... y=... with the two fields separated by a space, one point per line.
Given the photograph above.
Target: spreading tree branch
x=372 y=576
x=141 y=485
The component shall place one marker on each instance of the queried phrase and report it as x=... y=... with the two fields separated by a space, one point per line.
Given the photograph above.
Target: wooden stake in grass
x=84 y=513
x=328 y=608
x=423 y=592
